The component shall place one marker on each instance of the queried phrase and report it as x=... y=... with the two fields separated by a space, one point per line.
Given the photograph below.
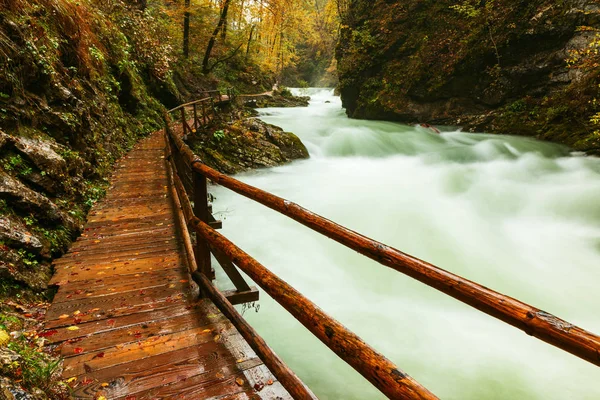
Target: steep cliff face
x=489 y=65
x=75 y=93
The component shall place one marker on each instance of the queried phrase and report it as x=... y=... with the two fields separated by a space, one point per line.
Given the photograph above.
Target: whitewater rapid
x=514 y=214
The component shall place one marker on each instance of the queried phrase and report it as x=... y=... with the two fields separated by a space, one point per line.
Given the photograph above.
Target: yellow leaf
x=239 y=381
x=71 y=379
x=219 y=375
x=104 y=384
x=217 y=337
x=100 y=398
x=4 y=337
x=73 y=328
x=77 y=312
x=64 y=316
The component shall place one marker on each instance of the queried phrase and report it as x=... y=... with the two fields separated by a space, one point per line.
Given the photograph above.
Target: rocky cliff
x=491 y=65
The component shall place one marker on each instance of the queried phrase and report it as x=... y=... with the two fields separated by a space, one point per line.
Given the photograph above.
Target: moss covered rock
x=493 y=65
x=246 y=144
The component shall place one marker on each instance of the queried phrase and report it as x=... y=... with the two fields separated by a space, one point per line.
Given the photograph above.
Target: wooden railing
x=202 y=111
x=381 y=372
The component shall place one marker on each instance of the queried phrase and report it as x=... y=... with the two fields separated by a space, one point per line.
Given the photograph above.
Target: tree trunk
x=213 y=38
x=249 y=40
x=186 y=30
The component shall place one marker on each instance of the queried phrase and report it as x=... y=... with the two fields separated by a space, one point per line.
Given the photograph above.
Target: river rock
x=246 y=144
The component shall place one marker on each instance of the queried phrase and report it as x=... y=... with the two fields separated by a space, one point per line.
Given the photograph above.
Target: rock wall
x=489 y=65
x=75 y=94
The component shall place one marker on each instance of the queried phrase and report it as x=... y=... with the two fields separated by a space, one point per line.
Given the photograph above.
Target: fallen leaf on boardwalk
x=100 y=398
x=94 y=310
x=259 y=386
x=219 y=375
x=270 y=382
x=72 y=328
x=86 y=381
x=64 y=316
x=183 y=281
x=77 y=312
x=99 y=355
x=217 y=337
x=239 y=381
x=111 y=322
x=171 y=286
x=96 y=241
x=73 y=379
x=206 y=331
x=78 y=350
x=104 y=384
x=48 y=333
x=241 y=360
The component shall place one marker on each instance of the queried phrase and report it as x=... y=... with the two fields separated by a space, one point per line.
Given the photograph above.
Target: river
x=514 y=214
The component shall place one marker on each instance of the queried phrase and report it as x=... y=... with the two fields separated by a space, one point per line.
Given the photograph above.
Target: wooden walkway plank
x=126 y=318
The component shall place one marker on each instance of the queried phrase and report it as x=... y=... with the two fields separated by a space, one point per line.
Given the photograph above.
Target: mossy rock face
x=495 y=65
x=246 y=144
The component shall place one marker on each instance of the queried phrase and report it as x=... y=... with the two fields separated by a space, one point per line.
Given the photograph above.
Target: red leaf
x=86 y=381
x=99 y=355
x=130 y=397
x=48 y=333
x=78 y=350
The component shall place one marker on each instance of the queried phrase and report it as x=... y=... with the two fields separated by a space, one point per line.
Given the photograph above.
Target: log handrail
x=531 y=320
x=374 y=366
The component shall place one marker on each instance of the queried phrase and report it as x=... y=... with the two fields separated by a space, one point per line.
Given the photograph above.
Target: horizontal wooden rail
x=191 y=103
x=284 y=374
x=375 y=367
x=531 y=320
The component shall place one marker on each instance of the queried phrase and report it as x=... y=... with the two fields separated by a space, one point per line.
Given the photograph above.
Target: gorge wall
x=526 y=68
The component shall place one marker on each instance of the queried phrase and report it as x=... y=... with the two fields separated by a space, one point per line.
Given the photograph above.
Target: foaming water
x=514 y=214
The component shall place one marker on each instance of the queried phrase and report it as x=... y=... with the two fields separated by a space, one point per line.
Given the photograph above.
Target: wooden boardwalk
x=126 y=318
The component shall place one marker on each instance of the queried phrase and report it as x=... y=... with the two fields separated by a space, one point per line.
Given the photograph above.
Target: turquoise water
x=514 y=214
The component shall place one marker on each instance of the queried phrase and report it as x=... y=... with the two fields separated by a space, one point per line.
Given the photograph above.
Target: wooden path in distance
x=127 y=320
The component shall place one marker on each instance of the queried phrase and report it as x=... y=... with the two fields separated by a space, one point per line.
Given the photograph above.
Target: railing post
x=201 y=211
x=183 y=122
x=204 y=112
x=195 y=118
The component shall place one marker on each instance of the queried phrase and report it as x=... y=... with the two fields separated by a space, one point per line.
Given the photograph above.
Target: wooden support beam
x=232 y=272
x=202 y=252
x=236 y=297
x=282 y=372
x=214 y=223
